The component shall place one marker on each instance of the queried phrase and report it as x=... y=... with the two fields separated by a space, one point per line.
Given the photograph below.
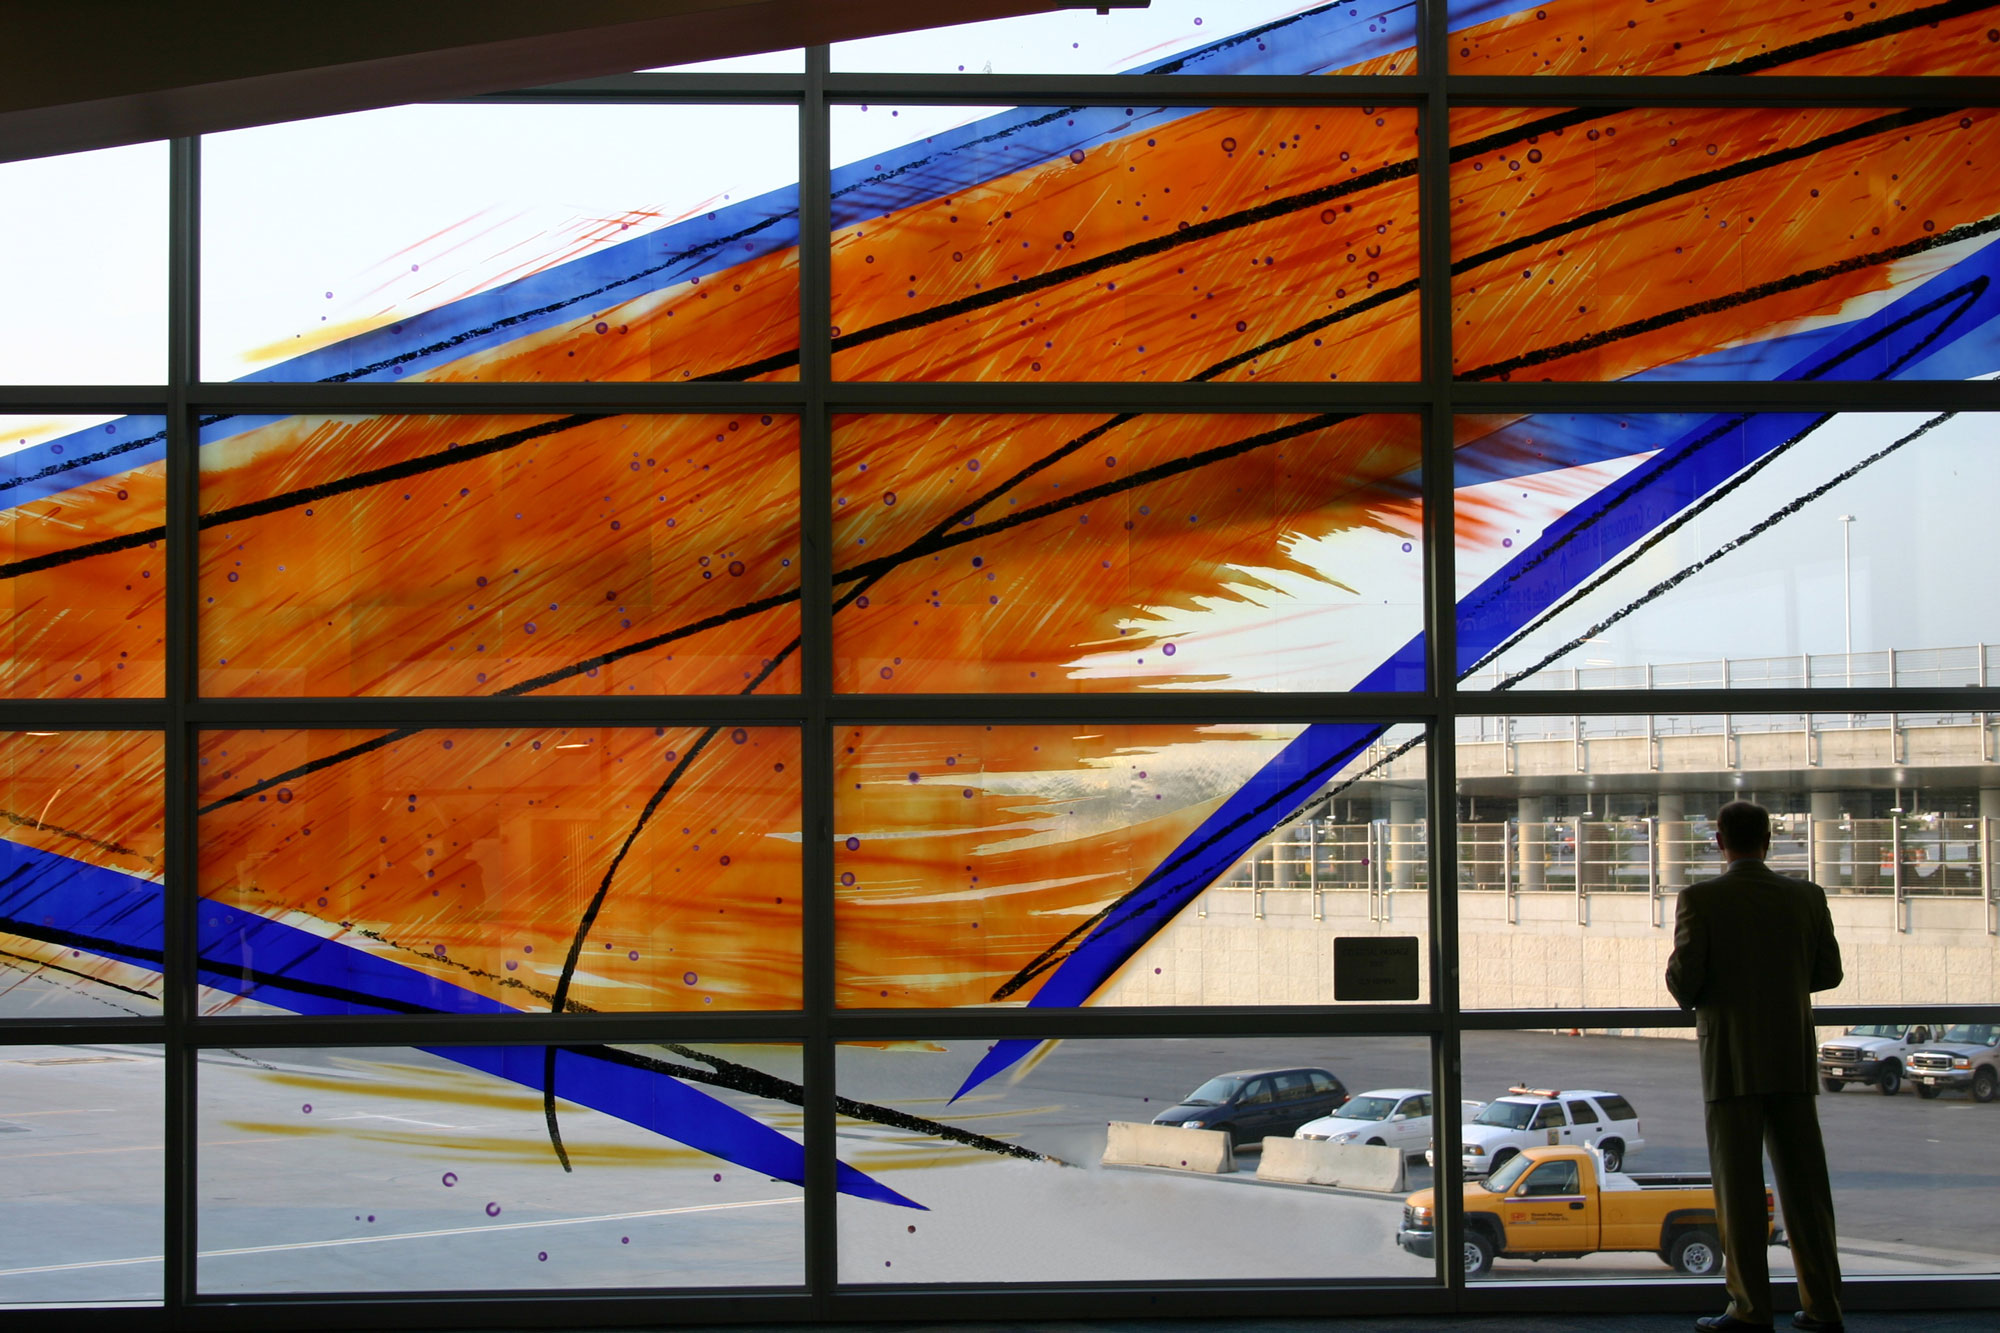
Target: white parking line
x=407 y=1235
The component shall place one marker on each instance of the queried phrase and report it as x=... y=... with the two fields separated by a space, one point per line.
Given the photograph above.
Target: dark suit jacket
x=1750 y=946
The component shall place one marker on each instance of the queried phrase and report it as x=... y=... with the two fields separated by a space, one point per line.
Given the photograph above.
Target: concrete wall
x=1543 y=957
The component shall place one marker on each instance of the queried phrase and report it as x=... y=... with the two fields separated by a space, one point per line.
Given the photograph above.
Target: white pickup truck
x=1964 y=1055
x=1874 y=1053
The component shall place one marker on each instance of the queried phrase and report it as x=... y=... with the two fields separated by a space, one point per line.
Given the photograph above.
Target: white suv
x=1535 y=1117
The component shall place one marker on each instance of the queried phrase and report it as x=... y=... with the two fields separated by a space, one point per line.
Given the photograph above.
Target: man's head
x=1743 y=830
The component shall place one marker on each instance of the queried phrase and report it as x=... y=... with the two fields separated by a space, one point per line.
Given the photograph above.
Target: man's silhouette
x=1750 y=946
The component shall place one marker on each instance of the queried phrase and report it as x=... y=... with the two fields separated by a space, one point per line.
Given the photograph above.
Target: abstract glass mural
x=491 y=548
x=491 y=555
x=82 y=835
x=1005 y=864
x=1702 y=243
x=1150 y=243
x=1136 y=551
x=460 y=870
x=83 y=588
x=461 y=243
x=429 y=1170
x=1821 y=37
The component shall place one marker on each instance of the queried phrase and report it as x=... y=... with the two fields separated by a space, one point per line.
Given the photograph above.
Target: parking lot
x=396 y=1171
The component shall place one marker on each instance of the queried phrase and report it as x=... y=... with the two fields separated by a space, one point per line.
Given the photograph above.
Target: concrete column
x=1404 y=811
x=1530 y=843
x=1670 y=828
x=1831 y=848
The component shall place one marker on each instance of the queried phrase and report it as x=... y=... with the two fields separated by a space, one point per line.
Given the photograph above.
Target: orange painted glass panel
x=1697 y=243
x=1073 y=865
x=83 y=579
x=546 y=242
x=486 y=871
x=1121 y=243
x=1881 y=37
x=486 y=555
x=82 y=845
x=1138 y=551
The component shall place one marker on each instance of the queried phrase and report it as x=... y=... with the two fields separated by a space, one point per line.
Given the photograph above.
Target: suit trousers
x=1740 y=1129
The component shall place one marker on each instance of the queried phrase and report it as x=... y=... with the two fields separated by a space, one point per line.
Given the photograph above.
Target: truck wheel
x=1985 y=1085
x=1833 y=1084
x=1478 y=1253
x=1696 y=1252
x=1613 y=1151
x=1891 y=1081
x=1376 y=1142
x=1927 y=1091
x=1501 y=1158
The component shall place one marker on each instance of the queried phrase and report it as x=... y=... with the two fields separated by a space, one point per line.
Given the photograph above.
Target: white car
x=1393 y=1117
x=1533 y=1117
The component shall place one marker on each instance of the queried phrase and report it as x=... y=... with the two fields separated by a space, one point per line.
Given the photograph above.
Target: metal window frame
x=816 y=398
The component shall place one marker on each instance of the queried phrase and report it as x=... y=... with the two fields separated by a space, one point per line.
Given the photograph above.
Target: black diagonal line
x=1748 y=166
x=42 y=966
x=1500 y=369
x=1764 y=525
x=1856 y=36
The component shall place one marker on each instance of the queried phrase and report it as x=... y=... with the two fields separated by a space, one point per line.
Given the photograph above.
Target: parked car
x=1392 y=1117
x=1874 y=1053
x=1549 y=1117
x=1561 y=1203
x=1963 y=1056
x=1253 y=1104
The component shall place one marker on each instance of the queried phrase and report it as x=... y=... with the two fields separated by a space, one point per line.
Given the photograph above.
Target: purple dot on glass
x=972 y=466
x=718 y=1176
x=847 y=878
x=854 y=844
x=887 y=673
x=543 y=1256
x=967 y=793
x=1506 y=541
x=888 y=497
x=438 y=950
x=1075 y=155
x=511 y=965
x=450 y=1179
x=1168 y=649
x=493 y=1210
x=739 y=735
x=307 y=1108
x=531 y=627
x=913 y=777
x=602 y=327
x=689 y=978
x=633 y=955
x=1406 y=546
x=624 y=1240
x=529 y=948
x=447 y=745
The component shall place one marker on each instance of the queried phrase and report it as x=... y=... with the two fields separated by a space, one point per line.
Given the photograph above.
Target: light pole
x=1847 y=594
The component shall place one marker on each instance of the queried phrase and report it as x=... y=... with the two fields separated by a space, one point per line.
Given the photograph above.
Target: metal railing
x=1895 y=668
x=1931 y=855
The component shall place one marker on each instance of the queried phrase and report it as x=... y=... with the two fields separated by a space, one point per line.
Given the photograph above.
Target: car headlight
x=1194 y=1124
x=1474 y=1150
x=1344 y=1138
x=1961 y=1062
x=1420 y=1215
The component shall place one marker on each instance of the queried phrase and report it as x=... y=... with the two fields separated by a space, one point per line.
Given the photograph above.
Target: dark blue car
x=1254 y=1104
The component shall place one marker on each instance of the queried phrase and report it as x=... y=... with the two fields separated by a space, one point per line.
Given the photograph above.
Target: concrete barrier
x=1133 y=1144
x=1352 y=1166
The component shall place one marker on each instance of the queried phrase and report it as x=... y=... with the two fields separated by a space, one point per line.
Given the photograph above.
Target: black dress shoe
x=1728 y=1323
x=1809 y=1324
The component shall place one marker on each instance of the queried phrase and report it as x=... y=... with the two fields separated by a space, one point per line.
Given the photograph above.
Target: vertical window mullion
x=816 y=648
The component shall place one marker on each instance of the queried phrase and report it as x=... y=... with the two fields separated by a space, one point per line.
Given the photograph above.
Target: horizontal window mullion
x=1091 y=396
x=1728 y=396
x=492 y=711
x=1947 y=699
x=80 y=1032
x=1154 y=89
x=614 y=396
x=1628 y=90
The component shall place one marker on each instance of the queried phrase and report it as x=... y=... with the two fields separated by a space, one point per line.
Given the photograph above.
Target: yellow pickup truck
x=1560 y=1203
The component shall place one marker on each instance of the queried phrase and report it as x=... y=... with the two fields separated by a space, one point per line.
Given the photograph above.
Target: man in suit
x=1749 y=948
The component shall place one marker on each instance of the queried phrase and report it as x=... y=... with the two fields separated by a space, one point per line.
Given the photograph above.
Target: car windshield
x=1876 y=1030
x=1214 y=1092
x=1507 y=1115
x=1503 y=1180
x=1968 y=1034
x=1367 y=1108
